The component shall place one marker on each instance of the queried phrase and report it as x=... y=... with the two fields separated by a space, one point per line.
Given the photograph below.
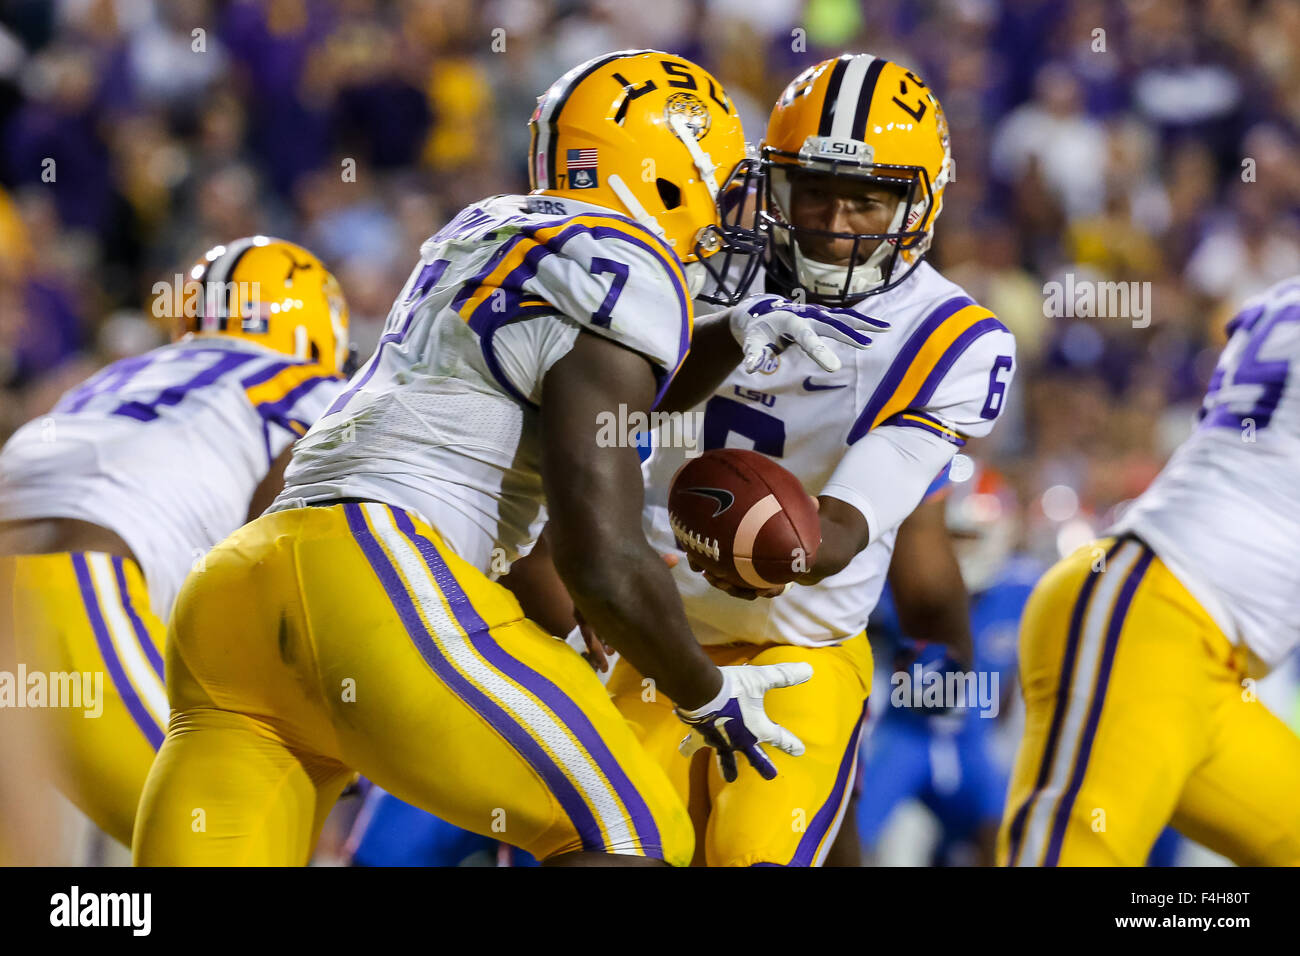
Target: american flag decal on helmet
x=582 y=168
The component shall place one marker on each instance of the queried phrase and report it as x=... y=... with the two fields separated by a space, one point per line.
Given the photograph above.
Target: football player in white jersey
x=1138 y=652
x=858 y=158
x=357 y=626
x=107 y=502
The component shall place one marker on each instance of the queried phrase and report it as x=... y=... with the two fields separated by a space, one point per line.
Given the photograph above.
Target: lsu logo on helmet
x=275 y=293
x=869 y=119
x=656 y=138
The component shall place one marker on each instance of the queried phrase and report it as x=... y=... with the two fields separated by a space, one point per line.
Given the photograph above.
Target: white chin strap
x=702 y=160
x=638 y=211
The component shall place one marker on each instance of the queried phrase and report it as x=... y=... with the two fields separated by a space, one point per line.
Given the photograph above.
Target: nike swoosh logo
x=725 y=499
x=811 y=386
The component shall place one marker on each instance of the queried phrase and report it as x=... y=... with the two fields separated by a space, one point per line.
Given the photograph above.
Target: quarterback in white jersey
x=1139 y=651
x=855 y=181
x=107 y=502
x=874 y=435
x=476 y=418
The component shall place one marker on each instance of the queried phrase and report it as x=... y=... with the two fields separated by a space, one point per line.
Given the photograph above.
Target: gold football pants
x=327 y=640
x=82 y=623
x=1139 y=714
x=794 y=819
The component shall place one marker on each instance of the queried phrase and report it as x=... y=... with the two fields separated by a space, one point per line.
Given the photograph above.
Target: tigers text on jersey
x=442 y=420
x=1224 y=514
x=938 y=376
x=165 y=449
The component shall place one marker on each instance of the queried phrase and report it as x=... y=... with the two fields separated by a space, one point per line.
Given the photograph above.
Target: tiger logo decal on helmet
x=692 y=109
x=867 y=119
x=655 y=137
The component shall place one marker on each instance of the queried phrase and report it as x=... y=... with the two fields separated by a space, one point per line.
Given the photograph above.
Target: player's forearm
x=628 y=597
x=844 y=533
x=714 y=355
x=931 y=600
x=926 y=580
x=944 y=622
x=539 y=590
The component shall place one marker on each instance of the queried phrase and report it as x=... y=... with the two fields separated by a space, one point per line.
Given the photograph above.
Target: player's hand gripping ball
x=743 y=518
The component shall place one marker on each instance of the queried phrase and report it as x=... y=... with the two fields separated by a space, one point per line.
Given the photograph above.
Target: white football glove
x=766 y=325
x=736 y=721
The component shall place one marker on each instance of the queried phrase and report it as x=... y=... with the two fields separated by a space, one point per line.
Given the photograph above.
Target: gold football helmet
x=274 y=293
x=869 y=119
x=654 y=137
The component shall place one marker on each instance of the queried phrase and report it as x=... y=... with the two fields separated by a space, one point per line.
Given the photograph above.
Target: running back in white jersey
x=938 y=376
x=1224 y=514
x=165 y=449
x=443 y=419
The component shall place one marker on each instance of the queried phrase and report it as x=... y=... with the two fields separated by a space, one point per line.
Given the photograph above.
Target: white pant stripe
x=525 y=709
x=138 y=670
x=1092 y=640
x=833 y=833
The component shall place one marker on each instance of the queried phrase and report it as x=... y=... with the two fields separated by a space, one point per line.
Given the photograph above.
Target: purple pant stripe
x=579 y=813
x=806 y=853
x=1114 y=627
x=560 y=704
x=141 y=632
x=143 y=719
x=1062 y=696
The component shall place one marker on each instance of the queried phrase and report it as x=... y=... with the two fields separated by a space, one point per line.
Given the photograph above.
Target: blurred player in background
x=857 y=159
x=391 y=832
x=28 y=824
x=945 y=758
x=1139 y=652
x=368 y=632
x=108 y=501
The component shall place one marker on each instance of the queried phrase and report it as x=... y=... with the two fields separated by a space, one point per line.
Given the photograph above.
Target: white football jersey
x=941 y=371
x=443 y=418
x=165 y=449
x=1224 y=514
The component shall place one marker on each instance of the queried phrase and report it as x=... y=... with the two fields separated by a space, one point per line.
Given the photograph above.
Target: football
x=744 y=518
